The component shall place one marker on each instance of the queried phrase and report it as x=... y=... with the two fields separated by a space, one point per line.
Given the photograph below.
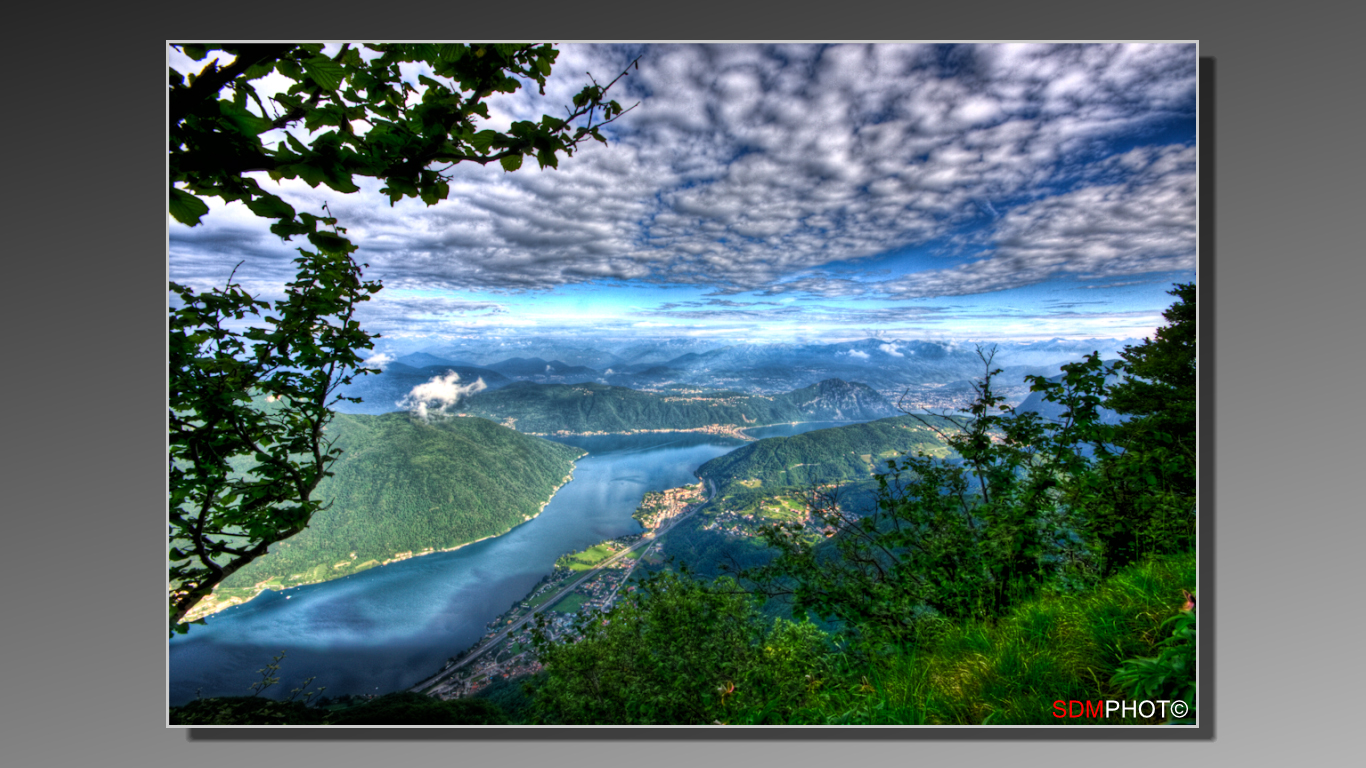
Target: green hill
x=768 y=481
x=839 y=454
x=404 y=487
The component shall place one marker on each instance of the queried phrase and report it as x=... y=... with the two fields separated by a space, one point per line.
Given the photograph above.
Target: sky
x=781 y=192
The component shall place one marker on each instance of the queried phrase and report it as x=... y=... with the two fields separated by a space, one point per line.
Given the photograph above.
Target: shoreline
x=647 y=538
x=398 y=557
x=723 y=430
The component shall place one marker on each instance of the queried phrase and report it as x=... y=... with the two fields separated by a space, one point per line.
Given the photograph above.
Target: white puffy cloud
x=438 y=395
x=379 y=360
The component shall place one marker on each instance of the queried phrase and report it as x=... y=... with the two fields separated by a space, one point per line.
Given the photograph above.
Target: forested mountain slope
x=839 y=454
x=404 y=486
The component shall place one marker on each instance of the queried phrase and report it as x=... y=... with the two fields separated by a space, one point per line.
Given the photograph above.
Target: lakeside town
x=506 y=649
x=582 y=585
x=567 y=597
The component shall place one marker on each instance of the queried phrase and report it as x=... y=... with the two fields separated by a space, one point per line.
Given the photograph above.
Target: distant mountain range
x=931 y=374
x=592 y=407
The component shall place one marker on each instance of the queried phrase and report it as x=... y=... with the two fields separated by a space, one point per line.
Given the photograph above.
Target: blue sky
x=775 y=192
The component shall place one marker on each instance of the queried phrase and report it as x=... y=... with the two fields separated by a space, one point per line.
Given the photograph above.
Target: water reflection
x=386 y=628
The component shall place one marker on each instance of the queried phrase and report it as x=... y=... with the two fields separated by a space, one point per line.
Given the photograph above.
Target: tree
x=1159 y=390
x=248 y=409
x=678 y=651
x=1139 y=495
x=957 y=538
x=247 y=415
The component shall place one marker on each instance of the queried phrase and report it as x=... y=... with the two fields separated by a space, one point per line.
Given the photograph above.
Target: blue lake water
x=788 y=430
x=388 y=628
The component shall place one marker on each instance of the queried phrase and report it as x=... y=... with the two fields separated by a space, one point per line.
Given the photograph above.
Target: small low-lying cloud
x=438 y=395
x=379 y=360
x=891 y=350
x=860 y=354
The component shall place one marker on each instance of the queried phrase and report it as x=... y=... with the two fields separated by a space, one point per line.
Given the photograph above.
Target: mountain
x=934 y=374
x=837 y=400
x=839 y=454
x=424 y=360
x=768 y=481
x=404 y=486
x=592 y=407
x=524 y=367
x=888 y=366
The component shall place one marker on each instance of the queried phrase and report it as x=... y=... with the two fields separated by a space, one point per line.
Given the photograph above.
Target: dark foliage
x=246 y=710
x=407 y=708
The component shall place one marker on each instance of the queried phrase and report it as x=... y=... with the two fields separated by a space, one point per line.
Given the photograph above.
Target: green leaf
x=325 y=72
x=511 y=162
x=257 y=71
x=270 y=207
x=244 y=121
x=482 y=140
x=330 y=243
x=186 y=208
x=312 y=175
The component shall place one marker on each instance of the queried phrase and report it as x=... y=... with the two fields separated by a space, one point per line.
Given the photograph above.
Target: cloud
x=746 y=167
x=892 y=350
x=860 y=354
x=391 y=313
x=438 y=395
x=1143 y=225
x=379 y=360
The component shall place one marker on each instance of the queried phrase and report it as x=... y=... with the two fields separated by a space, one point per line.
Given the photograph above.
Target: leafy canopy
x=248 y=408
x=679 y=651
x=359 y=117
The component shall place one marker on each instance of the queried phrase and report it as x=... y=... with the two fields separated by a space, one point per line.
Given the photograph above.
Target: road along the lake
x=645 y=541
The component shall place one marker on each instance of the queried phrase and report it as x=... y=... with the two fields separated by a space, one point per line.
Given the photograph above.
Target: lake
x=389 y=627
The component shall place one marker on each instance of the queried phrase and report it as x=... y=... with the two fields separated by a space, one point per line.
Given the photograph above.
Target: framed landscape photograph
x=709 y=385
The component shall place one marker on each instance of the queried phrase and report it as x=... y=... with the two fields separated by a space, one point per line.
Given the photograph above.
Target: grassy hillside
x=1054 y=648
x=404 y=486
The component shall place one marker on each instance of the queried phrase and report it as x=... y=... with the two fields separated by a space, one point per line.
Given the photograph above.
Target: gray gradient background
x=84 y=477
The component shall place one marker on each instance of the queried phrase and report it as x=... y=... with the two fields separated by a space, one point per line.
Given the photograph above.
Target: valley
x=409 y=489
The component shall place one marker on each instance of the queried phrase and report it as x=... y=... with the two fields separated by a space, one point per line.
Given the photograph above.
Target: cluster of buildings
x=512 y=656
x=747 y=525
x=660 y=506
x=500 y=656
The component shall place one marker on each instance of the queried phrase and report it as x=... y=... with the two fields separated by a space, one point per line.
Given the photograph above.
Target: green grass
x=540 y=599
x=1010 y=671
x=571 y=603
x=590 y=557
